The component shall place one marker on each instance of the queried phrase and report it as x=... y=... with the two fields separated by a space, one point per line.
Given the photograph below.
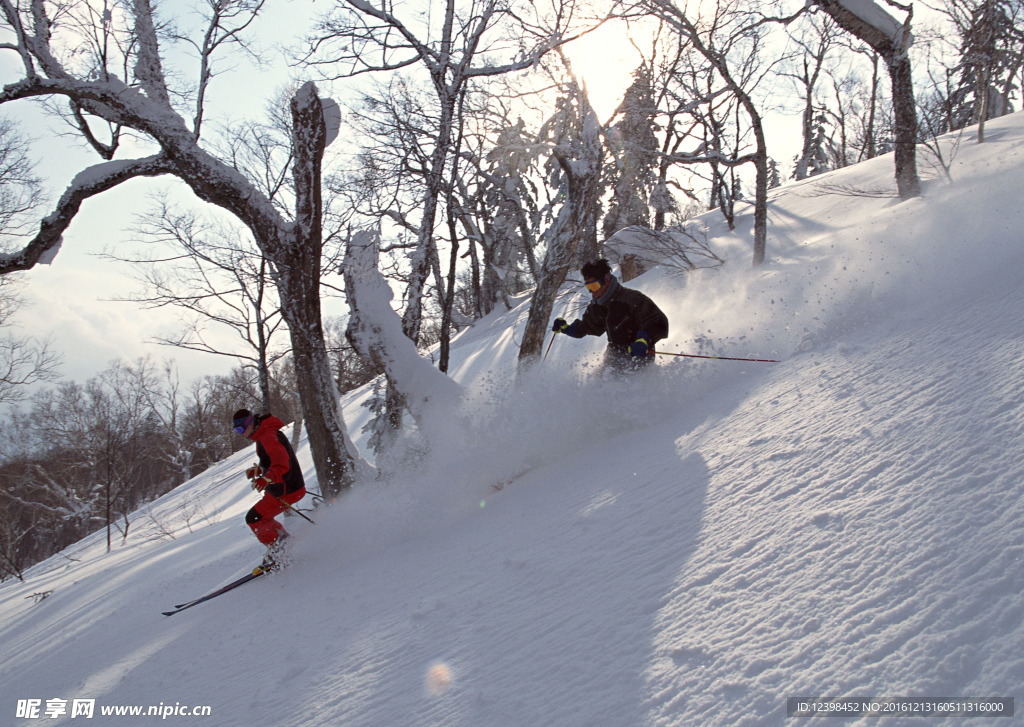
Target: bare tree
x=102 y=431
x=20 y=188
x=728 y=38
x=471 y=41
x=24 y=360
x=817 y=40
x=216 y=277
x=123 y=85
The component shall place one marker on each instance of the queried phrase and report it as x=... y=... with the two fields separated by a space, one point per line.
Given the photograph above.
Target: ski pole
x=719 y=358
x=316 y=497
x=294 y=509
x=551 y=343
x=289 y=505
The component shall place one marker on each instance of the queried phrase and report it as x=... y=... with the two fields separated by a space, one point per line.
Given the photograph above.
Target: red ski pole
x=550 y=344
x=719 y=358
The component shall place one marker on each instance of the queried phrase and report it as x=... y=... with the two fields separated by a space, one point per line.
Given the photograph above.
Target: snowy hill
x=690 y=547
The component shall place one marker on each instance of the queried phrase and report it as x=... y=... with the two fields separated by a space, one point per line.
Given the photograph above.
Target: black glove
x=641 y=345
x=572 y=329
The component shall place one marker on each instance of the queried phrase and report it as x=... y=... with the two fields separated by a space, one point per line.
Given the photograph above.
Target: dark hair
x=596 y=270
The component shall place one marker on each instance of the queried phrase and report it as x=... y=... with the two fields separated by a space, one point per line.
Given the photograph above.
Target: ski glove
x=253 y=472
x=260 y=483
x=560 y=326
x=641 y=345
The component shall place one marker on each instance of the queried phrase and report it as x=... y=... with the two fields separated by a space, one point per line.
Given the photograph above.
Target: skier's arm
x=652 y=320
x=593 y=321
x=278 y=466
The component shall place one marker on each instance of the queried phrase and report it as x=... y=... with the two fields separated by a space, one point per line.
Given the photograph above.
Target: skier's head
x=242 y=420
x=596 y=275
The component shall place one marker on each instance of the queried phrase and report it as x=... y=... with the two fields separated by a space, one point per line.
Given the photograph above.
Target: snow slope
x=692 y=546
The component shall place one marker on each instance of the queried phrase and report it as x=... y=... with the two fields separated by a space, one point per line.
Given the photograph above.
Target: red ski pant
x=261 y=517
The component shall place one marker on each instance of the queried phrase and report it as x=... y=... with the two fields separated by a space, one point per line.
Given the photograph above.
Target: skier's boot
x=274 y=559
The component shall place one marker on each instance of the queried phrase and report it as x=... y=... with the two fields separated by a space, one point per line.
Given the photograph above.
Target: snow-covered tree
x=774 y=178
x=376 y=332
x=575 y=170
x=991 y=55
x=816 y=41
x=636 y=159
x=635 y=156
x=507 y=207
x=728 y=38
x=816 y=157
x=114 y=83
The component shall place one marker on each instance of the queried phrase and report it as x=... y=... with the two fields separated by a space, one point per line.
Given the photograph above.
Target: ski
x=256 y=573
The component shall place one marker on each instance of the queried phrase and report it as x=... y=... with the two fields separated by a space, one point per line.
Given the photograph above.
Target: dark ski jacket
x=622 y=313
x=277 y=458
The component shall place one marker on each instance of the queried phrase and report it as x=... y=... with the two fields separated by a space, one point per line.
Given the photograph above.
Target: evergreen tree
x=990 y=59
x=634 y=147
x=820 y=159
x=774 y=178
x=508 y=197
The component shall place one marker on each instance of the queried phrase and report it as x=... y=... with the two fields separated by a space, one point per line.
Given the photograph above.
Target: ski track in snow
x=690 y=547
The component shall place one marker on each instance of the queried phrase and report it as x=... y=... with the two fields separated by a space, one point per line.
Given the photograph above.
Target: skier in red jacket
x=278 y=476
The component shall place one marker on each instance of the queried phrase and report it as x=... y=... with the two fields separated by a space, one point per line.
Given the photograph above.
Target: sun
x=604 y=61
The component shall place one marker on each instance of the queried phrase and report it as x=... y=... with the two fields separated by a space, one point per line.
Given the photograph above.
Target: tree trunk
x=760 y=195
x=299 y=281
x=541 y=305
x=576 y=221
x=905 y=117
x=449 y=295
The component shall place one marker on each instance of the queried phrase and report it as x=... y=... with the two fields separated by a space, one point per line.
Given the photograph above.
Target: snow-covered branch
x=867 y=20
x=148 y=69
x=86 y=184
x=375 y=330
x=21 y=44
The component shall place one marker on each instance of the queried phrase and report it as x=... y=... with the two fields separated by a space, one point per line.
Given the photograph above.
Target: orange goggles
x=594 y=285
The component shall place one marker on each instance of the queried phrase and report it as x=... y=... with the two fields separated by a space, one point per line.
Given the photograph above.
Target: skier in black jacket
x=632 y=321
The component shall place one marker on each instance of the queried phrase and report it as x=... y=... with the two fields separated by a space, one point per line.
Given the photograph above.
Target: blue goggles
x=240 y=425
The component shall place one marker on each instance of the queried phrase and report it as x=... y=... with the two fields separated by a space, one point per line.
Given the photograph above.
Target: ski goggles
x=240 y=425
x=593 y=286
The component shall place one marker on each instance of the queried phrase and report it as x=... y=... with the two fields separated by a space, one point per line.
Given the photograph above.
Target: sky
x=693 y=545
x=73 y=301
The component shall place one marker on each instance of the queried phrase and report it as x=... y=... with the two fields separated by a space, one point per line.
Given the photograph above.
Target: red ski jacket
x=277 y=458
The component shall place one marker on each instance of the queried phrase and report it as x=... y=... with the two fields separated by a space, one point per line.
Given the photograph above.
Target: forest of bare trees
x=461 y=138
